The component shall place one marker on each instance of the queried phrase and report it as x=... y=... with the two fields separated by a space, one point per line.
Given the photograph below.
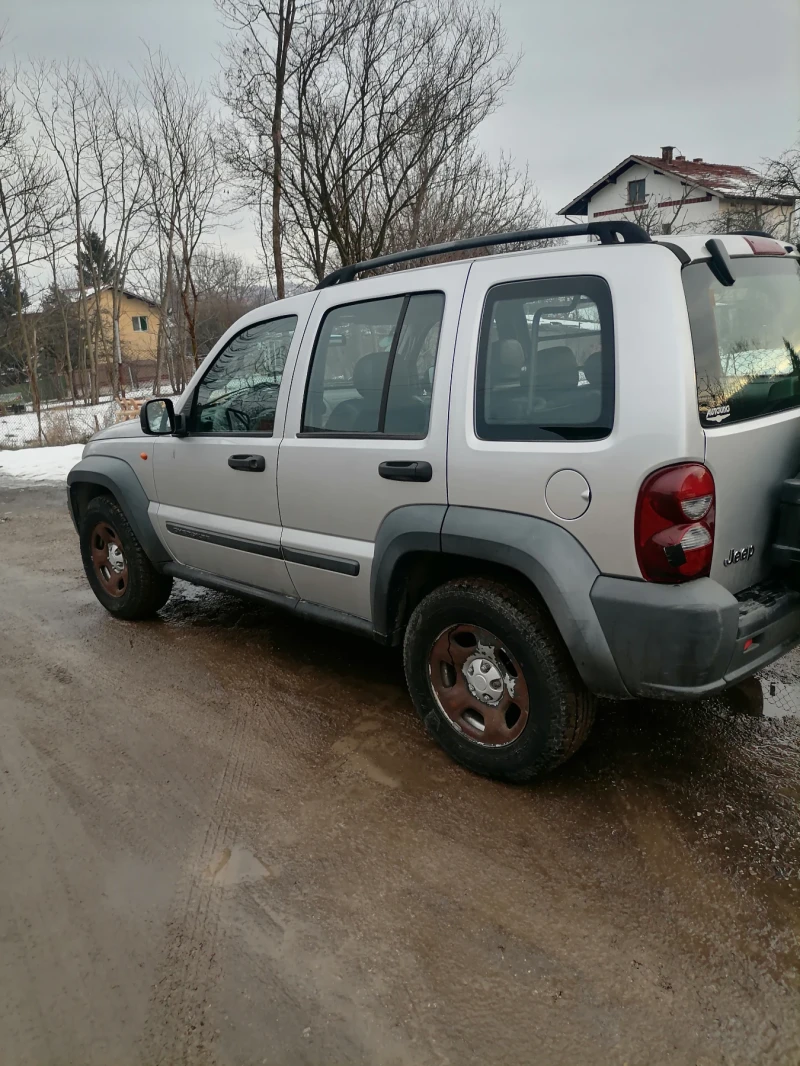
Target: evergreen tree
x=95 y=262
x=53 y=297
x=12 y=360
x=8 y=293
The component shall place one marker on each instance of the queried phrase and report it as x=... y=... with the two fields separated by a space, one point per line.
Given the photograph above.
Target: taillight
x=765 y=245
x=674 y=527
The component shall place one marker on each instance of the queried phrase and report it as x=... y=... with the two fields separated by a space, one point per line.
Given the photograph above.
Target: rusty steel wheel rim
x=108 y=559
x=479 y=685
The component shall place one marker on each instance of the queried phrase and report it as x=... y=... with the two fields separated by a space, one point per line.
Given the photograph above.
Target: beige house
x=138 y=322
x=138 y=334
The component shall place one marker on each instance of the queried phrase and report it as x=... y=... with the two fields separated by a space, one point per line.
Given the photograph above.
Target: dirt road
x=226 y=839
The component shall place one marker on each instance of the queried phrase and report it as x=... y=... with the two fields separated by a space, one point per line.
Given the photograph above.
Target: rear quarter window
x=746 y=339
x=546 y=361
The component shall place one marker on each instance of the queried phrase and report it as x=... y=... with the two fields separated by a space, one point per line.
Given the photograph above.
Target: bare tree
x=65 y=105
x=30 y=209
x=768 y=202
x=120 y=188
x=392 y=105
x=380 y=103
x=52 y=247
x=227 y=287
x=467 y=196
x=158 y=276
x=259 y=66
x=180 y=145
x=782 y=179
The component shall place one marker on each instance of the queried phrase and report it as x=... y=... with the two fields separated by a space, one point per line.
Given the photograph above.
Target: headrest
x=508 y=360
x=593 y=369
x=369 y=372
x=556 y=368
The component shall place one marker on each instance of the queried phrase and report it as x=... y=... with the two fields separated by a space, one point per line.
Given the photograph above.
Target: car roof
x=693 y=245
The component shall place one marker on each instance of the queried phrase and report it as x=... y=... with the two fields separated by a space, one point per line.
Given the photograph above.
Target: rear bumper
x=687 y=641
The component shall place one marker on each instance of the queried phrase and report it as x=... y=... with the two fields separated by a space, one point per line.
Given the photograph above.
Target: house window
x=140 y=323
x=636 y=191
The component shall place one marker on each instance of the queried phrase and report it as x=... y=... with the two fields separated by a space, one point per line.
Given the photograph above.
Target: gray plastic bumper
x=686 y=641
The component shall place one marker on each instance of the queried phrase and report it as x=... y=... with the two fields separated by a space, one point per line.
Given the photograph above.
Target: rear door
x=746 y=340
x=217 y=486
x=366 y=426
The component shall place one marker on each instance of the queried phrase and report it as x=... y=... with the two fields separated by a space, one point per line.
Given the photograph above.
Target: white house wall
x=780 y=216
x=659 y=188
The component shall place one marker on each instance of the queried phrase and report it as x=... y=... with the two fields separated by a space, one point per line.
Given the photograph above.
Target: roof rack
x=606 y=232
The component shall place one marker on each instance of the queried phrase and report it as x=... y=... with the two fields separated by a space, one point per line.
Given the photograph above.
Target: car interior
x=351 y=402
x=532 y=375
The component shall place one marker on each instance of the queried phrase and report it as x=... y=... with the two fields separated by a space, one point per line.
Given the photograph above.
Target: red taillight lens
x=674 y=528
x=765 y=246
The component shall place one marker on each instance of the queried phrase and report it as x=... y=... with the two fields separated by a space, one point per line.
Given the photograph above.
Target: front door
x=366 y=426
x=217 y=487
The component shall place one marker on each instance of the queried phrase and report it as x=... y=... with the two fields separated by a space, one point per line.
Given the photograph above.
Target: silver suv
x=550 y=475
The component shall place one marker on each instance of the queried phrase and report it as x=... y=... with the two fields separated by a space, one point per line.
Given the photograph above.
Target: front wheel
x=493 y=682
x=122 y=577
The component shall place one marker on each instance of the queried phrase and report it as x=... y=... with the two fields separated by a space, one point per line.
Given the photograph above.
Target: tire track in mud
x=177 y=1029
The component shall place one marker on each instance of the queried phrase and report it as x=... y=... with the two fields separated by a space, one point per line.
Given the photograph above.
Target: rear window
x=546 y=361
x=746 y=339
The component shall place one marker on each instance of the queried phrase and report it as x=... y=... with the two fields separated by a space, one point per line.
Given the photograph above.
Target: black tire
x=143 y=591
x=560 y=710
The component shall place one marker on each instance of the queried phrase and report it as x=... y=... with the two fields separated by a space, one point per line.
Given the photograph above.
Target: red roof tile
x=717 y=177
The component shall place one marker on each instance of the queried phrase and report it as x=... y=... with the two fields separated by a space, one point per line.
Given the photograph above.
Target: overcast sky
x=598 y=80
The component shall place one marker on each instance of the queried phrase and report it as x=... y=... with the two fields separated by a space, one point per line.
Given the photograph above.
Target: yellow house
x=138 y=324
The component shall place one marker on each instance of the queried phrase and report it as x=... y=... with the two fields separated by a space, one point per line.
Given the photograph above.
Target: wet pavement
x=226 y=839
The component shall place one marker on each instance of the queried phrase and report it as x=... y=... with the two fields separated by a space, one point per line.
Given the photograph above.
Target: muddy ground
x=225 y=838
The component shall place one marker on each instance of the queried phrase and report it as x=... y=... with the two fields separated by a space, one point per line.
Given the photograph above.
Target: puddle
x=354 y=756
x=235 y=866
x=781 y=698
x=774 y=695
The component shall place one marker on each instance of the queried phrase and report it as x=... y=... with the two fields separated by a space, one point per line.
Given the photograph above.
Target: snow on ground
x=40 y=464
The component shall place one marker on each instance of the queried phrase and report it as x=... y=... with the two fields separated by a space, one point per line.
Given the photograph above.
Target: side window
x=546 y=361
x=239 y=393
x=373 y=365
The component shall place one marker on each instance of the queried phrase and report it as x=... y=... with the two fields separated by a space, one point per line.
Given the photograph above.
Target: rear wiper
x=720 y=262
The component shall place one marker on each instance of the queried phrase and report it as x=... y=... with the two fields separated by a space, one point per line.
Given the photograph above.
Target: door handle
x=406 y=471
x=255 y=463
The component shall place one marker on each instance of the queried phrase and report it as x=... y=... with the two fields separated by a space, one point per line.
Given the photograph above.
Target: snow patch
x=41 y=464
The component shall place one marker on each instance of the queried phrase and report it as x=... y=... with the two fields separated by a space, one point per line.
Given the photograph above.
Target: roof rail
x=607 y=232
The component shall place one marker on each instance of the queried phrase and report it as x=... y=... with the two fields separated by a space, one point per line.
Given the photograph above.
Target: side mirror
x=157 y=417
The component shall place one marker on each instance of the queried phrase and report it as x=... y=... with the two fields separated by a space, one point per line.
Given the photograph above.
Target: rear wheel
x=493 y=681
x=122 y=577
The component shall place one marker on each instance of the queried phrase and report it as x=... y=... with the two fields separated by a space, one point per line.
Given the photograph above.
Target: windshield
x=746 y=339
